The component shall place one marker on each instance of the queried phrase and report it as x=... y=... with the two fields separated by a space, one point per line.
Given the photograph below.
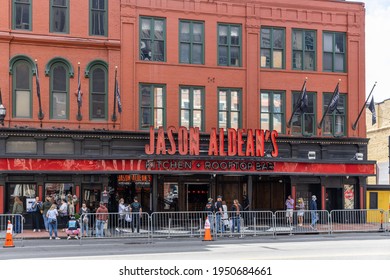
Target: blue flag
x=371 y=107
x=303 y=100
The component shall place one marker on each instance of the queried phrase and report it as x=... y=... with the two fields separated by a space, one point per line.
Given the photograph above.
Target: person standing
x=245 y=208
x=63 y=214
x=122 y=209
x=17 y=210
x=36 y=214
x=101 y=219
x=136 y=209
x=289 y=209
x=301 y=211
x=84 y=211
x=210 y=213
x=52 y=215
x=45 y=207
x=225 y=217
x=313 y=212
x=218 y=215
x=236 y=215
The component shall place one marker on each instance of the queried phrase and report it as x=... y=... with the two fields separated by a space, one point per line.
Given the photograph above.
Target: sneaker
x=50 y=238
x=68 y=237
x=58 y=238
x=76 y=237
x=311 y=227
x=39 y=230
x=117 y=230
x=34 y=230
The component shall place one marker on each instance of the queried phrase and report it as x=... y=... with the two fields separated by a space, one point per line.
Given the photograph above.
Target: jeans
x=46 y=222
x=313 y=218
x=53 y=227
x=218 y=225
x=210 y=216
x=85 y=228
x=236 y=221
x=99 y=228
x=136 y=222
x=18 y=228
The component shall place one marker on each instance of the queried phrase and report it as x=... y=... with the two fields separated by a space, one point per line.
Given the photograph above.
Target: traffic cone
x=8 y=237
x=207 y=231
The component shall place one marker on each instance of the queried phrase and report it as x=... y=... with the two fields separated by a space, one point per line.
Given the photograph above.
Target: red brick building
x=205 y=64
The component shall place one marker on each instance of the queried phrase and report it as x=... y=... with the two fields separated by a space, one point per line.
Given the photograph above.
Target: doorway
x=197 y=195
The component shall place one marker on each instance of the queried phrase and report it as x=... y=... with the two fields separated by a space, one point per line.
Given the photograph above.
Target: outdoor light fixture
x=311 y=155
x=3 y=110
x=359 y=156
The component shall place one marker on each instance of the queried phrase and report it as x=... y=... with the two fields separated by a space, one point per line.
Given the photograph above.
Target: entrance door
x=197 y=195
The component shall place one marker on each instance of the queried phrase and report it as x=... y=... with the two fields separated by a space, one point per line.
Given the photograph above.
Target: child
x=73 y=228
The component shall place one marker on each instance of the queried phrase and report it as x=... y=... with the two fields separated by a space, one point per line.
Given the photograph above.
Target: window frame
x=326 y=96
x=66 y=8
x=229 y=45
x=304 y=51
x=334 y=51
x=228 y=110
x=190 y=42
x=271 y=113
x=52 y=91
x=92 y=94
x=191 y=108
x=151 y=105
x=14 y=4
x=31 y=72
x=271 y=48
x=91 y=12
x=152 y=39
x=303 y=115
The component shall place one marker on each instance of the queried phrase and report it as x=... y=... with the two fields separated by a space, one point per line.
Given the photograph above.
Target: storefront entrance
x=197 y=195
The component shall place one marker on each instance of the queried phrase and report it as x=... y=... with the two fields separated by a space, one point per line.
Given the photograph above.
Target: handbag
x=128 y=218
x=53 y=221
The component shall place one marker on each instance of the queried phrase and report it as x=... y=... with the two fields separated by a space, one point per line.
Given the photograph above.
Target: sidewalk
x=29 y=234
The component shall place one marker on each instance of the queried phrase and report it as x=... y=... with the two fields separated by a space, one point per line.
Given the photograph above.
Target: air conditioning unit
x=359 y=156
x=311 y=155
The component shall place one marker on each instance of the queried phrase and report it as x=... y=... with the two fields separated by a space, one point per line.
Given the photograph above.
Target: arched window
x=59 y=91
x=21 y=70
x=98 y=92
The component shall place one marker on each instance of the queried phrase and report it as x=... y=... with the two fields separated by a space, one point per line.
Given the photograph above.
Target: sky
x=378 y=48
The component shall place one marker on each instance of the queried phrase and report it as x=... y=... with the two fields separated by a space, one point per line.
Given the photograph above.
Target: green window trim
x=18 y=8
x=96 y=65
x=52 y=61
x=334 y=52
x=307 y=121
x=191 y=42
x=150 y=105
x=304 y=52
x=229 y=49
x=16 y=58
x=98 y=18
x=272 y=49
x=153 y=45
x=191 y=108
x=65 y=92
x=56 y=7
x=28 y=89
x=335 y=123
x=268 y=110
x=225 y=108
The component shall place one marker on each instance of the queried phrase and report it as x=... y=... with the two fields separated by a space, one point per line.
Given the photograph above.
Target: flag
x=118 y=96
x=371 y=107
x=37 y=82
x=79 y=98
x=303 y=100
x=335 y=100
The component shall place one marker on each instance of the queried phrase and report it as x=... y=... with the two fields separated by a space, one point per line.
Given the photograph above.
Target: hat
x=219 y=196
x=210 y=199
x=101 y=203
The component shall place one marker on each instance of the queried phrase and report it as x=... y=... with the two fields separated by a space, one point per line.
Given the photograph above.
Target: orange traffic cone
x=8 y=237
x=207 y=231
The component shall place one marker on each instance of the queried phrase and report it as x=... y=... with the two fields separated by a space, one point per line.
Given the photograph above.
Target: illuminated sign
x=125 y=178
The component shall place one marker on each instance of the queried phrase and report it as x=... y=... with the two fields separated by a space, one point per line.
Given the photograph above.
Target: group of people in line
x=300 y=206
x=219 y=210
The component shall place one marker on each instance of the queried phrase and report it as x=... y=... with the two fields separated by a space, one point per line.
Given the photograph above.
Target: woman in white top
x=52 y=214
x=225 y=217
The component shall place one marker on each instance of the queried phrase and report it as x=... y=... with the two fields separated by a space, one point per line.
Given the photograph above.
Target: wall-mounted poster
x=349 y=197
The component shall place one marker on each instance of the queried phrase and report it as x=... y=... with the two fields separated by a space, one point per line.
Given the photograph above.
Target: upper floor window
x=98 y=92
x=304 y=49
x=229 y=45
x=152 y=39
x=98 y=17
x=59 y=84
x=229 y=109
x=59 y=16
x=272 y=44
x=272 y=111
x=152 y=106
x=191 y=42
x=334 y=52
x=21 y=14
x=22 y=89
x=334 y=122
x=304 y=123
x=191 y=107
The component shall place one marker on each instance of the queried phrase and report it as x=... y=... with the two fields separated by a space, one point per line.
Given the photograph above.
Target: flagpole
x=79 y=116
x=114 y=118
x=361 y=111
x=327 y=109
x=41 y=115
x=296 y=105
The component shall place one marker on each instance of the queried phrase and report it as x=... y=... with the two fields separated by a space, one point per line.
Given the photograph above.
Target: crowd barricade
x=301 y=221
x=117 y=225
x=363 y=220
x=14 y=219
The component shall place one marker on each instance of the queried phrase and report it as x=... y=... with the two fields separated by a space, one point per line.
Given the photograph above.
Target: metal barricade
x=302 y=221
x=363 y=220
x=17 y=222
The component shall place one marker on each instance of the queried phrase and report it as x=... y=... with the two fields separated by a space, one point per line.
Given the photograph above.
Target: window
x=229 y=45
x=304 y=123
x=272 y=44
x=272 y=111
x=334 y=123
x=152 y=103
x=59 y=83
x=152 y=39
x=334 y=52
x=22 y=14
x=191 y=42
x=304 y=49
x=59 y=16
x=191 y=107
x=98 y=92
x=98 y=17
x=22 y=78
x=23 y=191
x=229 y=114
